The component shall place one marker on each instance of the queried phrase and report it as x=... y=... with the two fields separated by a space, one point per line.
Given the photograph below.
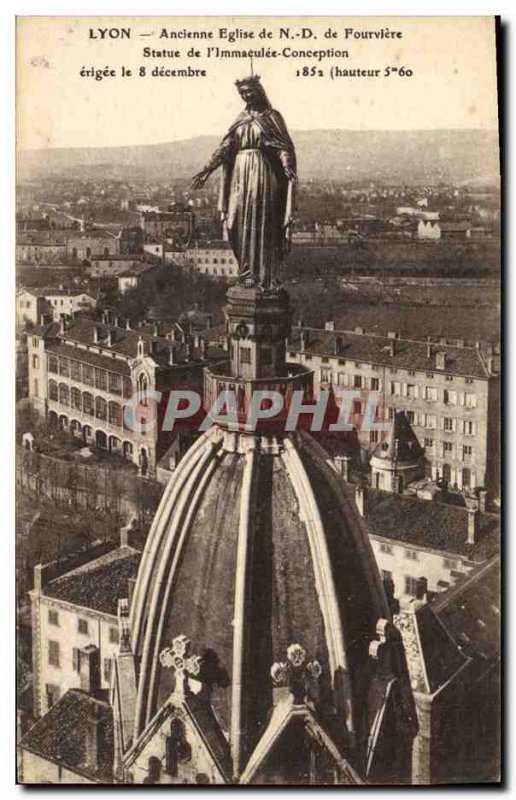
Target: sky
x=452 y=59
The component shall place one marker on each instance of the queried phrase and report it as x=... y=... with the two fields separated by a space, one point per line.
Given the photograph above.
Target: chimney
x=329 y=326
x=105 y=317
x=225 y=343
x=197 y=341
x=429 y=347
x=89 y=667
x=301 y=323
x=359 y=330
x=482 y=499
x=62 y=324
x=460 y=342
x=155 y=329
x=343 y=464
x=95 y=740
x=97 y=333
x=117 y=321
x=440 y=360
x=303 y=338
x=473 y=518
x=173 y=334
x=127 y=325
x=209 y=321
x=361 y=499
x=393 y=335
x=171 y=356
x=392 y=348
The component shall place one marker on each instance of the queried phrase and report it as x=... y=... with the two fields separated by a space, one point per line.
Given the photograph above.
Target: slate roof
x=424 y=523
x=60 y=735
x=471 y=611
x=88 y=357
x=408 y=353
x=99 y=584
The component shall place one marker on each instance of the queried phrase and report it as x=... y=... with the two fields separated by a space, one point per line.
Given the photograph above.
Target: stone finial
x=295 y=673
x=179 y=659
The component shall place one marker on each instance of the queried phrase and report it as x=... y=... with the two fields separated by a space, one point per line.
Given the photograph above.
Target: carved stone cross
x=179 y=659
x=296 y=673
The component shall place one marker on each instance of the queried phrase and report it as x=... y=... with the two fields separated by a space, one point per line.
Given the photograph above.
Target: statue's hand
x=200 y=179
x=290 y=174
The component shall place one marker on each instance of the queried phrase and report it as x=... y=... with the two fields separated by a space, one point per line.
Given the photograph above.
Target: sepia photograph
x=258 y=401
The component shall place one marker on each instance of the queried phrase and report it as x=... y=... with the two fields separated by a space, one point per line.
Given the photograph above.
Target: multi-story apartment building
x=84 y=245
x=82 y=374
x=74 y=607
x=448 y=390
x=211 y=258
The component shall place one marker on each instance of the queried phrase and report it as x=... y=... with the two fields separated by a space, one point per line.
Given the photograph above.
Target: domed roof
x=256 y=546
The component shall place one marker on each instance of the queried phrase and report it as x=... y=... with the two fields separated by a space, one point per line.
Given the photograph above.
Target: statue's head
x=252 y=92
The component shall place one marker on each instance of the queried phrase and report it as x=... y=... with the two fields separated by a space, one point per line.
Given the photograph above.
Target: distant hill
x=411 y=157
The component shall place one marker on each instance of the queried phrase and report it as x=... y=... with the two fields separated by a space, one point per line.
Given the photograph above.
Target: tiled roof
x=471 y=611
x=60 y=735
x=41 y=238
x=88 y=357
x=408 y=353
x=425 y=523
x=99 y=584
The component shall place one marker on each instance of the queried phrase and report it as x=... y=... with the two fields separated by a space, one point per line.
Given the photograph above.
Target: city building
x=41 y=246
x=133 y=277
x=175 y=225
x=111 y=266
x=84 y=245
x=211 y=258
x=32 y=305
x=82 y=374
x=74 y=608
x=449 y=391
x=30 y=308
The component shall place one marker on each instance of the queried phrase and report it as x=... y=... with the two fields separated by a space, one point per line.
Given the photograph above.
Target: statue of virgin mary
x=258 y=163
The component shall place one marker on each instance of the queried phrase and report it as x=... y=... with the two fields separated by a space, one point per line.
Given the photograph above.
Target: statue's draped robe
x=256 y=198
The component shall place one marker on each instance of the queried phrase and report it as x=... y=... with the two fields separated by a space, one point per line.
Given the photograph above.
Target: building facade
x=448 y=391
x=215 y=259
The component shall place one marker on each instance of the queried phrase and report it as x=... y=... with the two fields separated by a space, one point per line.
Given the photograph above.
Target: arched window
x=100 y=408
x=114 y=414
x=143 y=385
x=64 y=394
x=76 y=399
x=87 y=403
x=52 y=390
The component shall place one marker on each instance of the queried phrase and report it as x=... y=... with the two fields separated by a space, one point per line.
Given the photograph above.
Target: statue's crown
x=252 y=79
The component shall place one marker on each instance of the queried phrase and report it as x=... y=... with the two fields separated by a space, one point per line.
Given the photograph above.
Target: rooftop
x=425 y=523
x=60 y=735
x=98 y=584
x=408 y=353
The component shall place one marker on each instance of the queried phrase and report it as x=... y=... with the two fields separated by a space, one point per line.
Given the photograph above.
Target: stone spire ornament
x=296 y=673
x=179 y=659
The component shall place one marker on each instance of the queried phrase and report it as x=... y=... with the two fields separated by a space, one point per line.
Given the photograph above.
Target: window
x=411 y=586
x=448 y=377
x=430 y=375
x=100 y=408
x=64 y=394
x=393 y=371
x=412 y=555
x=115 y=383
x=35 y=362
x=449 y=564
x=52 y=692
x=82 y=625
x=467 y=452
x=75 y=370
x=429 y=443
x=100 y=379
x=357 y=407
x=114 y=414
x=76 y=398
x=64 y=367
x=431 y=394
x=53 y=617
x=431 y=421
x=87 y=403
x=142 y=386
x=107 y=669
x=448 y=424
x=53 y=364
x=53 y=392
x=447 y=449
x=113 y=636
x=87 y=374
x=373 y=437
x=375 y=384
x=469 y=428
x=76 y=659
x=325 y=360
x=245 y=355
x=410 y=416
x=449 y=398
x=386 y=548
x=470 y=400
x=53 y=653
x=357 y=381
x=411 y=372
x=35 y=342
x=468 y=380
